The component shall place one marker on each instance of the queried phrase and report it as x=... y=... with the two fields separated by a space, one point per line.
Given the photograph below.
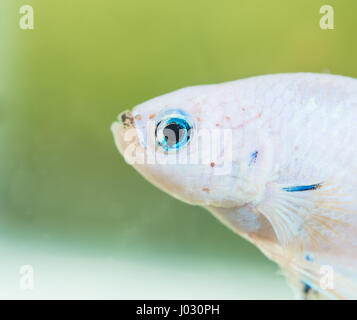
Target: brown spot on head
x=228 y=118
x=244 y=109
x=205 y=189
x=127 y=119
x=212 y=164
x=198 y=119
x=296 y=147
x=152 y=116
x=260 y=114
x=217 y=124
x=138 y=117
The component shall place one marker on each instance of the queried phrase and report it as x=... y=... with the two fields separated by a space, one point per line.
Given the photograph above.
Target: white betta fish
x=273 y=157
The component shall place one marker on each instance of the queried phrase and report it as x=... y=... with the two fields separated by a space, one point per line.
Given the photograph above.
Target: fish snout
x=126 y=119
x=124 y=131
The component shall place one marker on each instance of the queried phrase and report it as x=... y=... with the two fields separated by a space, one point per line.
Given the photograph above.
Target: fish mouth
x=126 y=119
x=123 y=129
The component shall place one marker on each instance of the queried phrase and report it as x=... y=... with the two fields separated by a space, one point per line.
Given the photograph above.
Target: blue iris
x=173 y=132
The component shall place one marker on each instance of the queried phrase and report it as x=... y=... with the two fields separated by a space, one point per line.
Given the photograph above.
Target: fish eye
x=173 y=130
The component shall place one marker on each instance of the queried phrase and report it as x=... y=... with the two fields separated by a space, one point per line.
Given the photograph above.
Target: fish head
x=184 y=143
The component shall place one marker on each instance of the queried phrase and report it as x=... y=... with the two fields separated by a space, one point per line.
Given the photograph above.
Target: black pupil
x=173 y=133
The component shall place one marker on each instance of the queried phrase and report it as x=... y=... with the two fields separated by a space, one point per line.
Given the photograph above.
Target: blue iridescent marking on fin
x=302 y=188
x=306 y=288
x=309 y=257
x=253 y=157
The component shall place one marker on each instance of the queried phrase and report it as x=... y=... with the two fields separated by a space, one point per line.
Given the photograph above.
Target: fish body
x=272 y=157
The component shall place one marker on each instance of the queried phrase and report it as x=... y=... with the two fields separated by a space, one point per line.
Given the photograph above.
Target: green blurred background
x=69 y=205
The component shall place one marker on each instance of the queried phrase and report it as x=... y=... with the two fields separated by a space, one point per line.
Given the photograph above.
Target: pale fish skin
x=289 y=132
